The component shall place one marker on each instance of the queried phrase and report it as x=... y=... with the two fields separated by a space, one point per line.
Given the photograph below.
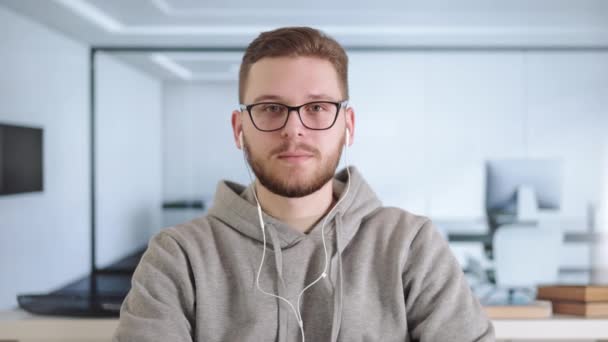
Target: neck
x=302 y=212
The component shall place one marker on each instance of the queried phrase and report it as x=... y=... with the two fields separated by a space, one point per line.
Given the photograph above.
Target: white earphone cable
x=296 y=309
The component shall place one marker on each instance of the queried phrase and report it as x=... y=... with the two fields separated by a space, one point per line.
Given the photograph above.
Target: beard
x=293 y=184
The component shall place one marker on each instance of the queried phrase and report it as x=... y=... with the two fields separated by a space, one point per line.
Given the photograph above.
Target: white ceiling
x=353 y=22
x=186 y=66
x=378 y=23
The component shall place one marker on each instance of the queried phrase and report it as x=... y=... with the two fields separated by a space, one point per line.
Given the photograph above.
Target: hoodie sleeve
x=439 y=303
x=160 y=304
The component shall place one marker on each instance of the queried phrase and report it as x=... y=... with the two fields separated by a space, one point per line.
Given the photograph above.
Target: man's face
x=293 y=161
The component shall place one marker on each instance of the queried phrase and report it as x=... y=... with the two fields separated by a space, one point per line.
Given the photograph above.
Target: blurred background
x=489 y=117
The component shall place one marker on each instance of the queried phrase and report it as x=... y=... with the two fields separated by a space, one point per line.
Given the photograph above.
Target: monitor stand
x=527 y=205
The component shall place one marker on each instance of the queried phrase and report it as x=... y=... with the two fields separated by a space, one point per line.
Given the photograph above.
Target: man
x=301 y=253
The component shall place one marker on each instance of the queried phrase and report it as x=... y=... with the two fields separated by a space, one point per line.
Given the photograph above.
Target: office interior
x=133 y=99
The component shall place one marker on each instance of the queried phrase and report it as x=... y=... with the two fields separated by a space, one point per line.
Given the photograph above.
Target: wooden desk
x=20 y=326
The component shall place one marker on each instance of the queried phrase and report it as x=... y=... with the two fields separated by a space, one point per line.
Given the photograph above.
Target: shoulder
x=398 y=219
x=411 y=231
x=185 y=234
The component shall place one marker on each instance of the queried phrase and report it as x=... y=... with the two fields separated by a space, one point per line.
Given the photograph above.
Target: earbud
x=241 y=139
x=347 y=139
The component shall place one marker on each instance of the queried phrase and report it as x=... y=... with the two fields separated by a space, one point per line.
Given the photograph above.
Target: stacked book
x=533 y=309
x=580 y=300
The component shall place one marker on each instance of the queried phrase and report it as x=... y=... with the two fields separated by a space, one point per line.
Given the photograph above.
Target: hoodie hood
x=235 y=205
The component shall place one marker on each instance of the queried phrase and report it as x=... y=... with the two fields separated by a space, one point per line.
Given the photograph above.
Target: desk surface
x=18 y=324
x=556 y=327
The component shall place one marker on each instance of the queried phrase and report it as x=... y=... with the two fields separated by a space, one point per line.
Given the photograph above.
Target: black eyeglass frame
x=339 y=106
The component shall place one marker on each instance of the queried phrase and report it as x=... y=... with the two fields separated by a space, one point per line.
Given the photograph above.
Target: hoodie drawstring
x=338 y=288
x=338 y=294
x=278 y=260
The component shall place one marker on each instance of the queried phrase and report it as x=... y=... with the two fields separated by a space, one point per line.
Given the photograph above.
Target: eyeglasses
x=270 y=116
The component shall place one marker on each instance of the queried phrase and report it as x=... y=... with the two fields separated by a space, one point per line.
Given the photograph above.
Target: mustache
x=290 y=146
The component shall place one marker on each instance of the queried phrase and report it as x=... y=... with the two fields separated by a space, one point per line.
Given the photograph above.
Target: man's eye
x=315 y=108
x=272 y=108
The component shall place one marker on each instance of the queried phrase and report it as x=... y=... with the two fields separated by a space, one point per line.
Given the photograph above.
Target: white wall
x=198 y=149
x=44 y=236
x=603 y=213
x=568 y=103
x=129 y=150
x=601 y=252
x=1 y=167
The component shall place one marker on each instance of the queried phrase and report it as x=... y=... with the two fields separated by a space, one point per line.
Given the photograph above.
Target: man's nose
x=293 y=126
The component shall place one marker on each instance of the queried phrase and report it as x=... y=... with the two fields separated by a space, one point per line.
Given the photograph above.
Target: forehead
x=292 y=80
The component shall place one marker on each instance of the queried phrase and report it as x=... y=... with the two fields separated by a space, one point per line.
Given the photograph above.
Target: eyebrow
x=270 y=97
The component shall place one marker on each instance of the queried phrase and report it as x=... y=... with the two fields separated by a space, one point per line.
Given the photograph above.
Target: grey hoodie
x=392 y=279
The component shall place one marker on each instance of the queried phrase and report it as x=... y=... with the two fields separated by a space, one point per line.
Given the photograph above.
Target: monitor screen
x=503 y=177
x=21 y=167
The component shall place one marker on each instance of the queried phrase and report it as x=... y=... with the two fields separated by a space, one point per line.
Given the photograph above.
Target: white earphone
x=296 y=308
x=347 y=140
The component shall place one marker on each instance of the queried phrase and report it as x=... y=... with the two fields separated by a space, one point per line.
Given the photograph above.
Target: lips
x=294 y=156
x=291 y=152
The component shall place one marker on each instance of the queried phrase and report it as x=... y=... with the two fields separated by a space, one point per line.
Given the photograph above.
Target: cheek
x=260 y=146
x=331 y=145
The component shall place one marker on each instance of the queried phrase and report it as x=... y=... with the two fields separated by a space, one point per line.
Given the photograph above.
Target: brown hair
x=294 y=42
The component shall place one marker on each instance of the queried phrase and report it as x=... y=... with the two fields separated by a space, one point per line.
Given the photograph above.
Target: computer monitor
x=513 y=182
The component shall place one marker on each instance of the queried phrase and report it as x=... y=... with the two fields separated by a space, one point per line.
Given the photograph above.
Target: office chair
x=525 y=256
